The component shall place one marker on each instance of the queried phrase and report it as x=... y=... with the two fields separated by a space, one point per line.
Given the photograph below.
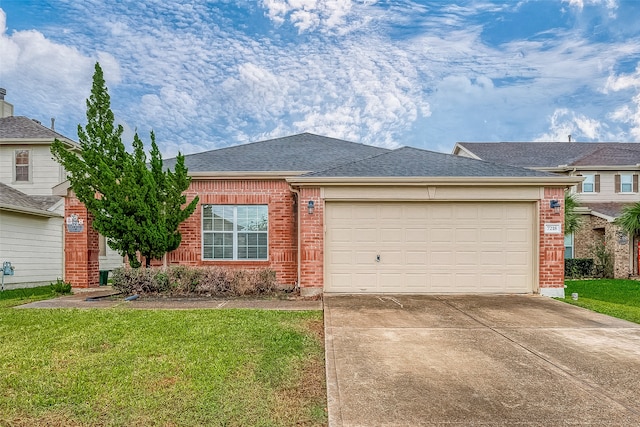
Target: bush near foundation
x=195 y=281
x=578 y=268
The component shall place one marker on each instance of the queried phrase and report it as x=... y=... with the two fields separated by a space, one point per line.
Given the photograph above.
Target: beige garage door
x=431 y=247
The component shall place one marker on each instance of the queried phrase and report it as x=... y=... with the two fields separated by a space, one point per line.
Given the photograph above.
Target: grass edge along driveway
x=154 y=367
x=614 y=297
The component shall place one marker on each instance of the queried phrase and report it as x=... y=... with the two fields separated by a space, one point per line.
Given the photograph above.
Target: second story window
x=589 y=184
x=626 y=183
x=22 y=165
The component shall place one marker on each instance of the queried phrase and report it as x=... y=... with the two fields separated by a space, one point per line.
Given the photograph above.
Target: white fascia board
x=29 y=211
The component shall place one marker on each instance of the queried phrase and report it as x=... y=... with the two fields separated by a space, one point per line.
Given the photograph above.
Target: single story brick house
x=334 y=216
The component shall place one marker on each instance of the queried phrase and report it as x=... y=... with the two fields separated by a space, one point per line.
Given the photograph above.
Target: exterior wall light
x=555 y=205
x=311 y=206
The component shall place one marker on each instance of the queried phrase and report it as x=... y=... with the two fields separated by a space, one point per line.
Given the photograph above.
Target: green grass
x=161 y=368
x=615 y=297
x=11 y=298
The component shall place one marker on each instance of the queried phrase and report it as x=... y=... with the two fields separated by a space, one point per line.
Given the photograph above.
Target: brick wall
x=551 y=275
x=593 y=229
x=81 y=251
x=282 y=224
x=311 y=242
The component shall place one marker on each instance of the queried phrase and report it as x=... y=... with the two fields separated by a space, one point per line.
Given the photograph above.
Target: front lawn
x=615 y=297
x=163 y=368
x=11 y=298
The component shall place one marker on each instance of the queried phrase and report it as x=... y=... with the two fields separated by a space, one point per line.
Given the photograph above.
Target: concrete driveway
x=478 y=360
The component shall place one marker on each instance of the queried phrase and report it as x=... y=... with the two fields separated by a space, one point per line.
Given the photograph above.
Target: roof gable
x=297 y=153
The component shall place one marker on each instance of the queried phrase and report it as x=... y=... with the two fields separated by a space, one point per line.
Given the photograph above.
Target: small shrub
x=578 y=268
x=195 y=281
x=61 y=287
x=603 y=260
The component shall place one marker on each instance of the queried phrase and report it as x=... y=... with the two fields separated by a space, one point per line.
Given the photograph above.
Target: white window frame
x=589 y=179
x=16 y=165
x=208 y=229
x=568 y=238
x=629 y=178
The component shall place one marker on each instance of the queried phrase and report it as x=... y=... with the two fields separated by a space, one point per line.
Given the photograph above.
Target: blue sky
x=207 y=74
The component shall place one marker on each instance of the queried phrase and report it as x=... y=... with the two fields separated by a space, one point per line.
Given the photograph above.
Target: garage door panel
x=467 y=235
x=365 y=257
x=391 y=235
x=441 y=211
x=417 y=258
x=471 y=212
x=434 y=247
x=467 y=258
x=416 y=281
x=415 y=235
x=341 y=258
x=416 y=212
x=391 y=211
x=391 y=258
x=341 y=235
x=517 y=259
x=491 y=258
x=442 y=259
x=441 y=235
x=491 y=235
x=516 y=235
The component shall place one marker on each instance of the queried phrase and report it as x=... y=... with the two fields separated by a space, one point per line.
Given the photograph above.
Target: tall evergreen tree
x=137 y=206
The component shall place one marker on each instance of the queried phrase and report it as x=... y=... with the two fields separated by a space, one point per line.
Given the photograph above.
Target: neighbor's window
x=568 y=245
x=235 y=232
x=22 y=165
x=588 y=185
x=626 y=183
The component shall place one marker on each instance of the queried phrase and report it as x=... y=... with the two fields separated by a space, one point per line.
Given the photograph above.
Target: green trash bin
x=104 y=277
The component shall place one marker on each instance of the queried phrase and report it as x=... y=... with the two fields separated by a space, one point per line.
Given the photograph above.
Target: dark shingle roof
x=414 y=162
x=303 y=153
x=611 y=209
x=20 y=127
x=554 y=154
x=10 y=197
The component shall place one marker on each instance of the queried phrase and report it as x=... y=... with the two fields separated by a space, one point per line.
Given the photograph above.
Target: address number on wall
x=553 y=228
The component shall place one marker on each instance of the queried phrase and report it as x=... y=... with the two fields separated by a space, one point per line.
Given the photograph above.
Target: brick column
x=81 y=251
x=311 y=279
x=551 y=269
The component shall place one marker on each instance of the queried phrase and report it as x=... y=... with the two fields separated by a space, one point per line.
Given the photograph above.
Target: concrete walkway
x=104 y=298
x=478 y=360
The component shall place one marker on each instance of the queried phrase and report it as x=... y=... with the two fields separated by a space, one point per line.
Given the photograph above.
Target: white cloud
x=609 y=4
x=308 y=15
x=630 y=112
x=565 y=122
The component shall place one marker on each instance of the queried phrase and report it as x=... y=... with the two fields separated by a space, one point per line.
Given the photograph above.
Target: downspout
x=298 y=255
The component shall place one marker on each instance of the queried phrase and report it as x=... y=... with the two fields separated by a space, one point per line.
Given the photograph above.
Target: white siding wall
x=607 y=189
x=44 y=171
x=111 y=261
x=33 y=244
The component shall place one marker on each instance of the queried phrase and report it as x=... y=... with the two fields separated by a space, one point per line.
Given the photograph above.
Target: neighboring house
x=610 y=172
x=31 y=216
x=335 y=216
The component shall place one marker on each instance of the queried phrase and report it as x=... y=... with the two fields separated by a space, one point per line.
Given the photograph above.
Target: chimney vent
x=3 y=92
x=53 y=123
x=569 y=138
